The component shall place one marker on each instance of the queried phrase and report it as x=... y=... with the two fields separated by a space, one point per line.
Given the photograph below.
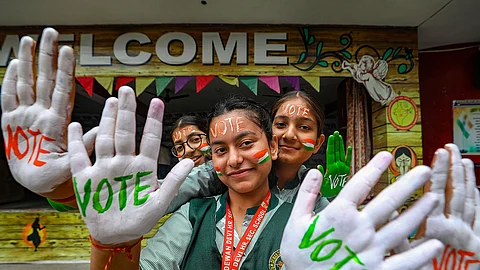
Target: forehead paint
x=296 y=110
x=232 y=124
x=308 y=144
x=218 y=171
x=185 y=131
x=204 y=147
x=262 y=156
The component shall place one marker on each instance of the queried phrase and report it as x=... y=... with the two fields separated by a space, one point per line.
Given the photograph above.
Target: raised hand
x=338 y=166
x=341 y=237
x=453 y=220
x=36 y=113
x=118 y=196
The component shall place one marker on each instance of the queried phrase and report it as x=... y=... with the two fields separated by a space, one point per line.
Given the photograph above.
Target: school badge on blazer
x=275 y=261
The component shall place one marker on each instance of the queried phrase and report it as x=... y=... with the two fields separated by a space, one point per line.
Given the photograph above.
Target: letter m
x=212 y=40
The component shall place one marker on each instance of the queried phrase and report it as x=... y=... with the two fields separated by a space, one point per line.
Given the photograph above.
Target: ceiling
x=440 y=22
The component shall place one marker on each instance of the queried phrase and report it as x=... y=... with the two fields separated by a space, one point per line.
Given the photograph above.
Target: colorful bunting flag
x=161 y=83
x=141 y=83
x=121 y=81
x=181 y=81
x=314 y=81
x=230 y=80
x=87 y=84
x=294 y=81
x=106 y=82
x=251 y=83
x=202 y=81
x=272 y=82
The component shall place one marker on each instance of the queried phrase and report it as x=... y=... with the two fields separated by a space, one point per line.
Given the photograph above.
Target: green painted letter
x=139 y=189
x=87 y=188
x=96 y=197
x=122 y=196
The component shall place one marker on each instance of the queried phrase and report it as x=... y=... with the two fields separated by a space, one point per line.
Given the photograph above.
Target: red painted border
x=389 y=113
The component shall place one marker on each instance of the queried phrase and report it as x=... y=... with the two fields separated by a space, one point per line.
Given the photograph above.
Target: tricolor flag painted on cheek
x=309 y=144
x=218 y=171
x=262 y=156
x=204 y=147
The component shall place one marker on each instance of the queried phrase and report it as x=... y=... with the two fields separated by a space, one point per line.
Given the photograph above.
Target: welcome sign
x=181 y=50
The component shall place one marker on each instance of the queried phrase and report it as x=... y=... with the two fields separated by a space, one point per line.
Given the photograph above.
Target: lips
x=238 y=173
x=288 y=147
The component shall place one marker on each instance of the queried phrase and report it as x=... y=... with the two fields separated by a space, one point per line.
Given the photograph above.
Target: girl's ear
x=320 y=140
x=274 y=147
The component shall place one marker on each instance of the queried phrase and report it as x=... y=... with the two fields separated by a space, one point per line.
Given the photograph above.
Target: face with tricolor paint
x=190 y=142
x=241 y=152
x=297 y=130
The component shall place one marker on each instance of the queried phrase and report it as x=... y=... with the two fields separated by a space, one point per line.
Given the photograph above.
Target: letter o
x=189 y=48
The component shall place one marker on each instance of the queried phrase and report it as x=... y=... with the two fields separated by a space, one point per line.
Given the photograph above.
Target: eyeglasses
x=194 y=141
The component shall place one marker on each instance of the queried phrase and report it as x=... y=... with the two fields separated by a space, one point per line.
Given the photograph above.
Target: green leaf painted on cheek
x=138 y=189
x=87 y=189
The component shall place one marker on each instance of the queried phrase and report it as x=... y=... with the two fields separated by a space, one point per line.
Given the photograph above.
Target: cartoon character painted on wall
x=404 y=159
x=34 y=234
x=402 y=113
x=372 y=74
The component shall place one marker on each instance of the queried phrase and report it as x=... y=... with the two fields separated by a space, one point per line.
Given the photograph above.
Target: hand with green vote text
x=118 y=196
x=35 y=115
x=338 y=166
x=342 y=237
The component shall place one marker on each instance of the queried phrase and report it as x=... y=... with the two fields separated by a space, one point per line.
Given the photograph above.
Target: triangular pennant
x=141 y=83
x=294 y=81
x=87 y=84
x=161 y=83
x=202 y=81
x=106 y=82
x=121 y=81
x=230 y=80
x=251 y=83
x=314 y=81
x=272 y=82
x=181 y=81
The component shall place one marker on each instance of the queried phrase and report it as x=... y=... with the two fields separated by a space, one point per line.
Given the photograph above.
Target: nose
x=235 y=158
x=188 y=150
x=290 y=133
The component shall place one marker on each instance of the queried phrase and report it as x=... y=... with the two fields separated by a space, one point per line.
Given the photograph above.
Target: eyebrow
x=283 y=117
x=236 y=138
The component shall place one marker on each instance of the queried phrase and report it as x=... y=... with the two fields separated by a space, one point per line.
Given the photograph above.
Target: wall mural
x=403 y=113
x=34 y=234
x=366 y=70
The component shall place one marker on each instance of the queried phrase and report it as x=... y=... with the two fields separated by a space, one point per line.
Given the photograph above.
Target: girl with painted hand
x=341 y=237
x=189 y=138
x=203 y=234
x=118 y=196
x=297 y=122
x=456 y=219
x=35 y=115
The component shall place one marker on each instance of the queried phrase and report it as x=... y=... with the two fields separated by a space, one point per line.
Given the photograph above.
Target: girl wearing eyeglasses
x=189 y=137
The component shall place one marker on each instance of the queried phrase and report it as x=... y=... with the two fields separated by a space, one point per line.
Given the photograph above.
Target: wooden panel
x=364 y=40
x=66 y=236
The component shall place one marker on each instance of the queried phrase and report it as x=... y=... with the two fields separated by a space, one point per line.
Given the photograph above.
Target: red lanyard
x=230 y=262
